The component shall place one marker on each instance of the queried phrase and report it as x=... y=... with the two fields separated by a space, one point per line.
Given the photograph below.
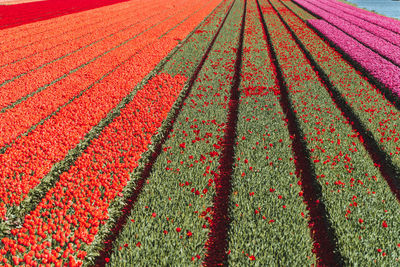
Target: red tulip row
x=61 y=228
x=46 y=100
x=46 y=49
x=171 y=218
x=73 y=211
x=33 y=76
x=48 y=36
x=361 y=207
x=17 y=13
x=251 y=141
x=32 y=156
x=267 y=199
x=33 y=32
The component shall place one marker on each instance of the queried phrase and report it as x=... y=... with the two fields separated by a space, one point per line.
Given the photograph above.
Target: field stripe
x=388 y=164
x=321 y=230
x=353 y=190
x=369 y=27
x=383 y=21
x=150 y=160
x=217 y=243
x=215 y=98
x=61 y=129
x=41 y=63
x=66 y=39
x=266 y=204
x=299 y=11
x=43 y=10
x=42 y=28
x=66 y=87
x=25 y=40
x=385 y=49
x=66 y=181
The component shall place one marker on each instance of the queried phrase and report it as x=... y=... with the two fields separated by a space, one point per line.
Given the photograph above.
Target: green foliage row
x=199 y=37
x=269 y=224
x=361 y=208
x=379 y=117
x=169 y=222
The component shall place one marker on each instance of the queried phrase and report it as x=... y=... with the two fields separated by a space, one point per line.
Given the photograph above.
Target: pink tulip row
x=388 y=23
x=386 y=72
x=374 y=111
x=377 y=30
x=381 y=46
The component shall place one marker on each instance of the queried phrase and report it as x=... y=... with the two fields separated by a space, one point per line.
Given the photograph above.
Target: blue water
x=388 y=8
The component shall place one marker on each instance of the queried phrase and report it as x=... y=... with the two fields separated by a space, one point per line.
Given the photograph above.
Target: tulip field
x=189 y=133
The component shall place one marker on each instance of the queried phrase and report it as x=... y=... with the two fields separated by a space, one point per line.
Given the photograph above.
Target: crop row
x=30 y=41
x=65 y=222
x=381 y=69
x=33 y=32
x=21 y=14
x=266 y=204
x=376 y=115
x=372 y=28
x=172 y=216
x=291 y=115
x=249 y=141
x=387 y=38
x=34 y=76
x=367 y=37
x=32 y=156
x=187 y=182
x=360 y=205
x=24 y=56
x=382 y=21
x=375 y=54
